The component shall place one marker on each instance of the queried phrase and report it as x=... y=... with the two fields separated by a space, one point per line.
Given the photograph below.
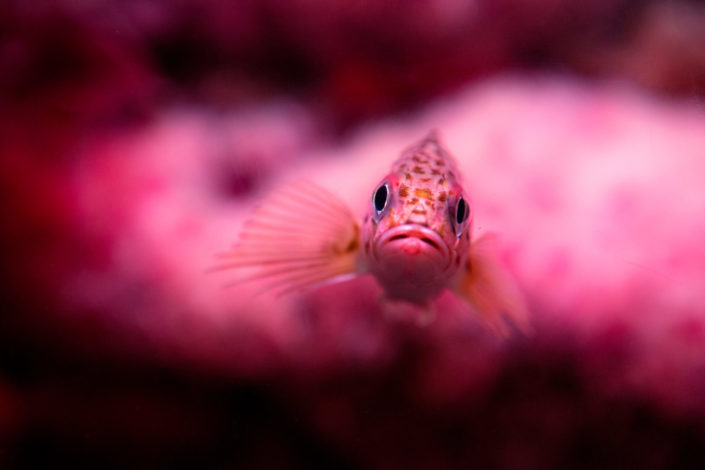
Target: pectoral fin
x=300 y=236
x=490 y=289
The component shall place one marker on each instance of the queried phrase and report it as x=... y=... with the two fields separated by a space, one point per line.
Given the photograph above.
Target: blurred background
x=135 y=138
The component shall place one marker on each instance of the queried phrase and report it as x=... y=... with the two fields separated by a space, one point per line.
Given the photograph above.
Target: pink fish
x=415 y=240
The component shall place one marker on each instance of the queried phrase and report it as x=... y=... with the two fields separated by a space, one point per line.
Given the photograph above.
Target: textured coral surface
x=135 y=139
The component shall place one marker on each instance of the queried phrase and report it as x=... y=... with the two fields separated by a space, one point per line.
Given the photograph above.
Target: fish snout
x=413 y=239
x=411 y=262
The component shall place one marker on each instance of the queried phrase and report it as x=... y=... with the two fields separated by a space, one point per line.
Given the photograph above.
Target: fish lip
x=417 y=231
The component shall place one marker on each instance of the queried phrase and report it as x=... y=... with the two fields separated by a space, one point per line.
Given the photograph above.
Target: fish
x=415 y=239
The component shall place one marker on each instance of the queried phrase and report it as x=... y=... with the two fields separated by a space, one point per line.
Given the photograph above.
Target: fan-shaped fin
x=491 y=290
x=300 y=236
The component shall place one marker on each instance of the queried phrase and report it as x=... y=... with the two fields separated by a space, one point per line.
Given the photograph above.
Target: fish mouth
x=430 y=240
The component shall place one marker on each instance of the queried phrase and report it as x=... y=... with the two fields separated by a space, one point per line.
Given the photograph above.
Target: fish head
x=417 y=229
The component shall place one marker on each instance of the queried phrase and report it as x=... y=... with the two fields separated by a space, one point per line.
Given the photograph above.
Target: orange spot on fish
x=443 y=196
x=418 y=170
x=423 y=193
x=403 y=190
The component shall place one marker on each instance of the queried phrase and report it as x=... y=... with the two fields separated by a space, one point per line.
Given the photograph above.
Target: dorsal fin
x=433 y=136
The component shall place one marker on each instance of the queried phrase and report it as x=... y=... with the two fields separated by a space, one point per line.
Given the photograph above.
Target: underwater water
x=135 y=141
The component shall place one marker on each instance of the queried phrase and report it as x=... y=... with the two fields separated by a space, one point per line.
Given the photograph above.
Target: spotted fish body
x=415 y=240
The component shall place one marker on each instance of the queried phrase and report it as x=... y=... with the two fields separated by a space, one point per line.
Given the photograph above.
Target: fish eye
x=461 y=211
x=380 y=198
